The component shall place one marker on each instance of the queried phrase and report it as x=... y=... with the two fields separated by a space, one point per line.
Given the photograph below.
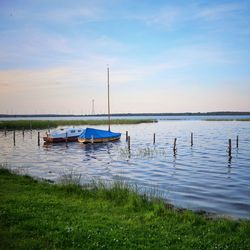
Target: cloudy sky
x=164 y=56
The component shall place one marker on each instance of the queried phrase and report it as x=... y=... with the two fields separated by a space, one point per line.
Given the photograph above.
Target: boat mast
x=108 y=101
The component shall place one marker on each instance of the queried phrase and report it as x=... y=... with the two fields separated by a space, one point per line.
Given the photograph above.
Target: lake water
x=200 y=177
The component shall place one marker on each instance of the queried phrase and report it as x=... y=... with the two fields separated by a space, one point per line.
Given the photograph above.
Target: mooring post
x=23 y=132
x=128 y=143
x=14 y=138
x=5 y=132
x=229 y=149
x=66 y=139
x=126 y=135
x=192 y=139
x=154 y=138
x=174 y=148
x=38 y=138
x=237 y=141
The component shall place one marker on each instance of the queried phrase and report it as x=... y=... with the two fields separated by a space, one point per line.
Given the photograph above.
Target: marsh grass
x=142 y=152
x=38 y=215
x=43 y=124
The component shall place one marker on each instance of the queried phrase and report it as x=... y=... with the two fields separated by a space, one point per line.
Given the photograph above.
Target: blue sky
x=164 y=56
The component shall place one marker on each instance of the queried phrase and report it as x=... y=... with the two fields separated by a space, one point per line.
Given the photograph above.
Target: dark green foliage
x=42 y=124
x=39 y=215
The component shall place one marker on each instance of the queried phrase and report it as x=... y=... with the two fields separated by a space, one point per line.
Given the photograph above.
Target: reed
x=43 y=124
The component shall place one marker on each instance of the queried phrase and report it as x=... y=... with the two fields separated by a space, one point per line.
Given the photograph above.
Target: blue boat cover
x=90 y=133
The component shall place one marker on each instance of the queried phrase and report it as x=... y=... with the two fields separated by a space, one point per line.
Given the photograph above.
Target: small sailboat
x=92 y=135
x=63 y=134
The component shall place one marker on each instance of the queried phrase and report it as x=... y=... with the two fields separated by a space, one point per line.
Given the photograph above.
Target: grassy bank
x=39 y=215
x=239 y=120
x=43 y=124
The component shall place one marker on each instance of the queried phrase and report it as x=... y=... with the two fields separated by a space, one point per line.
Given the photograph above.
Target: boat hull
x=60 y=139
x=99 y=140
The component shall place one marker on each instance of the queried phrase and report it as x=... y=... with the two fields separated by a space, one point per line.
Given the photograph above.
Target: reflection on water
x=199 y=177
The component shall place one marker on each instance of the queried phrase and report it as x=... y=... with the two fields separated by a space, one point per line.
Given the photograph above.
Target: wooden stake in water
x=237 y=141
x=192 y=139
x=5 y=132
x=126 y=135
x=128 y=143
x=174 y=148
x=66 y=139
x=23 y=132
x=154 y=138
x=229 y=149
x=38 y=138
x=14 y=138
x=30 y=126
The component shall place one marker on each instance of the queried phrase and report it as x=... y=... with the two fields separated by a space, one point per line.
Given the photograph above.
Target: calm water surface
x=199 y=177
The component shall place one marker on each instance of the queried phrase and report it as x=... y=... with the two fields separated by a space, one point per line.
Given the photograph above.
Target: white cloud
x=219 y=11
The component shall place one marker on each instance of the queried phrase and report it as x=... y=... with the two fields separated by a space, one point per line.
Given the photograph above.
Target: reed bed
x=44 y=124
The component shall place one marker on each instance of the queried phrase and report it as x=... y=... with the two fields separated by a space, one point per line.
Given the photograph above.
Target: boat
x=92 y=135
x=62 y=135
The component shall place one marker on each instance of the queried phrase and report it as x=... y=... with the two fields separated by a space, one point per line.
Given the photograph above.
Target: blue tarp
x=90 y=133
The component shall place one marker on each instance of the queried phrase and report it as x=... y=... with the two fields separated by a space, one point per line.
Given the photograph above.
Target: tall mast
x=108 y=101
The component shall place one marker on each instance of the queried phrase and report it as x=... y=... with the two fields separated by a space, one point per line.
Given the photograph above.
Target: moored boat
x=63 y=135
x=97 y=135
x=92 y=135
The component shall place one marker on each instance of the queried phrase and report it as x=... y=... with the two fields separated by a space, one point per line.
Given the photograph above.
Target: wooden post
x=14 y=138
x=129 y=143
x=5 y=132
x=174 y=148
x=38 y=138
x=48 y=127
x=23 y=132
x=229 y=149
x=192 y=139
x=66 y=139
x=154 y=138
x=30 y=126
x=126 y=135
x=237 y=141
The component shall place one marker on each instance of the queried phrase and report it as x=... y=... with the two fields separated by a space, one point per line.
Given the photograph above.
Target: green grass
x=239 y=120
x=43 y=124
x=39 y=215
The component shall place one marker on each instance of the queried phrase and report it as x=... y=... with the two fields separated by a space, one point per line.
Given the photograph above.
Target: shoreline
x=37 y=214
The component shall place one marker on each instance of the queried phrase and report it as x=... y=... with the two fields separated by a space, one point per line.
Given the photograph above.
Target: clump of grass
x=38 y=215
x=43 y=124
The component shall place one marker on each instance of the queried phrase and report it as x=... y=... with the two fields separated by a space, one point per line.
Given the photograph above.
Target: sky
x=164 y=56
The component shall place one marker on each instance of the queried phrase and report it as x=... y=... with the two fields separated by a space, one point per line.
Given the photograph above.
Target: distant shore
x=220 y=113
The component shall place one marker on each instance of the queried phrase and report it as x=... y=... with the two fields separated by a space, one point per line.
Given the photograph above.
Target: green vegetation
x=43 y=124
x=39 y=215
x=219 y=120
